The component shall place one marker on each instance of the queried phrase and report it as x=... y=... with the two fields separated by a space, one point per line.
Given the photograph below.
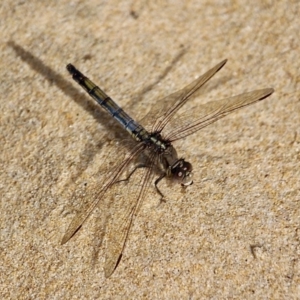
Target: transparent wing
x=158 y=117
x=123 y=212
x=211 y=112
x=111 y=178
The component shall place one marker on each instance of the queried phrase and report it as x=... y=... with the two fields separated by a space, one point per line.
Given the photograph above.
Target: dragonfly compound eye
x=182 y=171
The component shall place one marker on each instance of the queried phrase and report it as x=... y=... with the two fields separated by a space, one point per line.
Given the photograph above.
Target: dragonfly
x=153 y=141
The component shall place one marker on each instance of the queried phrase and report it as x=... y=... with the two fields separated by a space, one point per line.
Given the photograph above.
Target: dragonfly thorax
x=157 y=143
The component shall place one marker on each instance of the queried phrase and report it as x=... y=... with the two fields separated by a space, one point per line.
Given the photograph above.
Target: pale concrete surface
x=234 y=233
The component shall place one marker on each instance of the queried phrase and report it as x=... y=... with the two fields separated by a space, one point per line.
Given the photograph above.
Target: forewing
x=211 y=112
x=158 y=117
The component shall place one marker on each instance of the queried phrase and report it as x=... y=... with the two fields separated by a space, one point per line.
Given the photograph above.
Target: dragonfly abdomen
x=135 y=129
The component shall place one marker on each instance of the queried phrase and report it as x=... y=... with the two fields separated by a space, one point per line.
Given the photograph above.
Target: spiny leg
x=139 y=166
x=155 y=183
x=162 y=199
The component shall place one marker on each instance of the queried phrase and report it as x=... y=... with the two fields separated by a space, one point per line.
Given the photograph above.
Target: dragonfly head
x=182 y=171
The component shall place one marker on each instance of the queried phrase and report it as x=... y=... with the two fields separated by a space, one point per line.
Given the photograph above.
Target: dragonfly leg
x=157 y=188
x=131 y=173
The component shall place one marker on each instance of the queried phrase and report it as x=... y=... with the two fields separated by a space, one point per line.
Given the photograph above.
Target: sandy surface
x=234 y=233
